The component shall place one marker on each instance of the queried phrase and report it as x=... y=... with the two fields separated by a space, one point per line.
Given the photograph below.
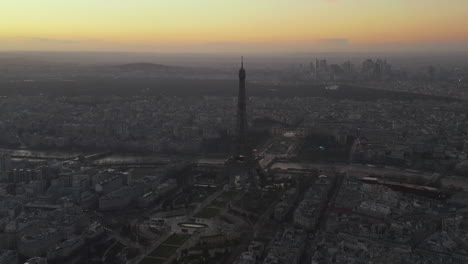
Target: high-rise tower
x=241 y=166
x=241 y=148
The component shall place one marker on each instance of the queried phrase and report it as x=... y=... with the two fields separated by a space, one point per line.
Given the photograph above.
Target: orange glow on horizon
x=289 y=24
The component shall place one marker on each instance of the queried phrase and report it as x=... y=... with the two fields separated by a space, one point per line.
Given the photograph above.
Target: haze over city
x=237 y=132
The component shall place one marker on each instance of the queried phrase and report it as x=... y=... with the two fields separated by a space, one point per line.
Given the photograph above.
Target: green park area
x=224 y=198
x=176 y=239
x=228 y=195
x=113 y=251
x=163 y=251
x=151 y=260
x=208 y=213
x=166 y=249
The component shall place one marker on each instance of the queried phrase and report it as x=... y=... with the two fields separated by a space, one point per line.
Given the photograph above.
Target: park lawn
x=224 y=198
x=149 y=260
x=228 y=195
x=218 y=203
x=163 y=251
x=208 y=213
x=116 y=248
x=176 y=239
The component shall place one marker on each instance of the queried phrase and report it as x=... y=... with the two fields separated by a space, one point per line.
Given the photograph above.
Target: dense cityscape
x=324 y=163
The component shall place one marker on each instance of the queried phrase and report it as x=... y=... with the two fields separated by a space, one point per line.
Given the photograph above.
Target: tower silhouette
x=241 y=165
x=241 y=148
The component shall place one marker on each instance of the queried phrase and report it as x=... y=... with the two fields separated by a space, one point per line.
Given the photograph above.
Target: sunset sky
x=234 y=26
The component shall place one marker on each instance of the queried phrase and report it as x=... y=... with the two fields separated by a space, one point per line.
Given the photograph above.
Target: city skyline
x=235 y=26
x=233 y=132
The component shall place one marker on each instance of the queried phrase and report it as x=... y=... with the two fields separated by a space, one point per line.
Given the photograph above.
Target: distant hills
x=149 y=67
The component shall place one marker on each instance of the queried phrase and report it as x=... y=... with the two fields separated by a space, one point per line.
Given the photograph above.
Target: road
x=355 y=168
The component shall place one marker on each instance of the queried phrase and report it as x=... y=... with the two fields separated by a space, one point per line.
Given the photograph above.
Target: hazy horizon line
x=422 y=52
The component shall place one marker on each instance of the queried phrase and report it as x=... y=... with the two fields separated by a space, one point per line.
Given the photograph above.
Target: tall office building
x=323 y=65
